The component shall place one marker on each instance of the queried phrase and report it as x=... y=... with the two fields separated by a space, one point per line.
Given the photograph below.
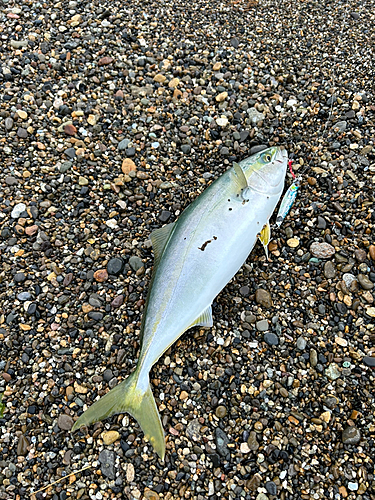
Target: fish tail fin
x=129 y=397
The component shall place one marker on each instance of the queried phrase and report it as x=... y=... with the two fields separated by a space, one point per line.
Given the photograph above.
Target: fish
x=194 y=258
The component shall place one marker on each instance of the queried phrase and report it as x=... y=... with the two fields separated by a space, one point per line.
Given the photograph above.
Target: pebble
x=351 y=435
x=271 y=338
x=329 y=270
x=333 y=372
x=262 y=325
x=322 y=250
x=365 y=282
x=222 y=441
x=271 y=488
x=107 y=463
x=110 y=437
x=263 y=298
x=115 y=266
x=369 y=361
x=301 y=343
x=135 y=262
x=65 y=422
x=17 y=210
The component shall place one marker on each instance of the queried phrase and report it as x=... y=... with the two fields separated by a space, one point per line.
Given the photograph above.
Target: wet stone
x=262 y=325
x=17 y=210
x=369 y=361
x=271 y=338
x=24 y=296
x=22 y=446
x=252 y=441
x=65 y=422
x=322 y=224
x=193 y=430
x=322 y=250
x=301 y=343
x=107 y=460
x=263 y=298
x=135 y=262
x=222 y=442
x=19 y=277
x=351 y=435
x=115 y=266
x=329 y=270
x=271 y=488
x=365 y=282
x=164 y=215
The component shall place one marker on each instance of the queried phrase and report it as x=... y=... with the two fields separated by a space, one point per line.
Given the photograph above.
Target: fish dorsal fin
x=159 y=238
x=265 y=236
x=205 y=319
x=239 y=177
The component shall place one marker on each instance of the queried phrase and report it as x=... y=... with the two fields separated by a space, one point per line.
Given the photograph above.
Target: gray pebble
x=329 y=270
x=271 y=338
x=107 y=460
x=262 y=325
x=365 y=282
x=301 y=343
x=17 y=210
x=135 y=262
x=351 y=435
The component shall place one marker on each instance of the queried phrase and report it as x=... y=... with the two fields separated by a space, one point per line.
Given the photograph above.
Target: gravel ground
x=113 y=117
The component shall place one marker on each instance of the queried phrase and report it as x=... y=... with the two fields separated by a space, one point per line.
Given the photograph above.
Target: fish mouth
x=281 y=157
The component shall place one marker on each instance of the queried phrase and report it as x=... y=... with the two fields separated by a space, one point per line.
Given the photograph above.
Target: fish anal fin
x=205 y=319
x=240 y=179
x=265 y=237
x=159 y=238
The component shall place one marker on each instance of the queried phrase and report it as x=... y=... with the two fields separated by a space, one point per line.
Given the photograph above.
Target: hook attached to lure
x=289 y=198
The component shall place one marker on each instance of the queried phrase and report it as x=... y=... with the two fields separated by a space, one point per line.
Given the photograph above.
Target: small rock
x=110 y=437
x=351 y=435
x=107 y=460
x=365 y=282
x=360 y=255
x=17 y=210
x=115 y=266
x=135 y=262
x=8 y=123
x=329 y=270
x=159 y=78
x=322 y=224
x=332 y=371
x=244 y=447
x=301 y=343
x=65 y=422
x=369 y=361
x=313 y=357
x=22 y=133
x=22 y=446
x=293 y=242
x=164 y=215
x=222 y=442
x=262 y=325
x=104 y=61
x=221 y=411
x=128 y=165
x=11 y=181
x=101 y=275
x=263 y=298
x=252 y=441
x=70 y=129
x=322 y=250
x=271 y=488
x=271 y=338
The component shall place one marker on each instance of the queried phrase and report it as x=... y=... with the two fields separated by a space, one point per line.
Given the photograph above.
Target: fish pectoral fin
x=159 y=238
x=140 y=404
x=205 y=319
x=265 y=236
x=240 y=178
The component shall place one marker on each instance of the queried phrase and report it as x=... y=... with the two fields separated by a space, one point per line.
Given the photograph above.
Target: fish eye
x=268 y=158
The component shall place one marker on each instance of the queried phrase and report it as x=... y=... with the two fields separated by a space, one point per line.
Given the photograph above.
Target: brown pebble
x=101 y=275
x=311 y=181
x=105 y=60
x=117 y=301
x=6 y=376
x=70 y=129
x=68 y=279
x=128 y=165
x=22 y=446
x=31 y=230
x=372 y=252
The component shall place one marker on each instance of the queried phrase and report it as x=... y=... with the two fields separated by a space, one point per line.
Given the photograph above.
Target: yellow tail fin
x=128 y=397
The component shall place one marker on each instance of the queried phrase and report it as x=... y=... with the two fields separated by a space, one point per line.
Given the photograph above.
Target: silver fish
x=195 y=257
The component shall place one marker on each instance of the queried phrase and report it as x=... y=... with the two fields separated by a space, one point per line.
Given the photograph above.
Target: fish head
x=265 y=171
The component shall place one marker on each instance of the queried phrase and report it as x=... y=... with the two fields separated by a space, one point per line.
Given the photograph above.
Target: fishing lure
x=288 y=199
